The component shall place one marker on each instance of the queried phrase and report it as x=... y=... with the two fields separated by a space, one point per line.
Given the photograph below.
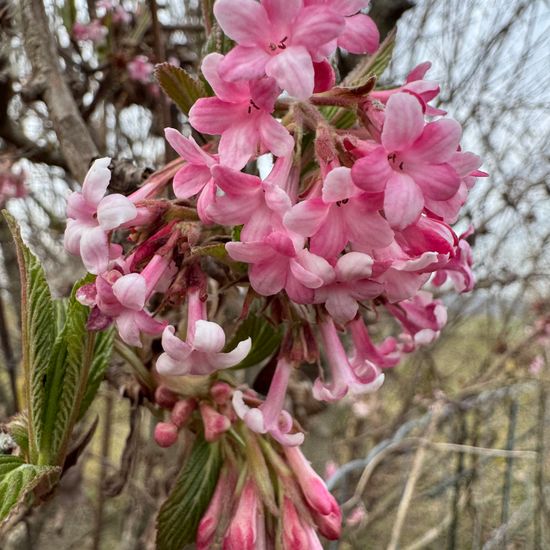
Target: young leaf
x=265 y=340
x=38 y=332
x=180 y=514
x=18 y=479
x=182 y=88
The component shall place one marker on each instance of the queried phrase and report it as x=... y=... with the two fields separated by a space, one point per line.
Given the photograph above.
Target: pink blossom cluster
x=345 y=227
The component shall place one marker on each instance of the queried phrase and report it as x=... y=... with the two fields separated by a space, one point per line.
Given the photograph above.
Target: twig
x=411 y=481
x=9 y=357
x=75 y=141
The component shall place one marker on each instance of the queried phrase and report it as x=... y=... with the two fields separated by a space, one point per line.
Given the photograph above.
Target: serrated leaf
x=181 y=87
x=103 y=350
x=38 y=332
x=67 y=379
x=265 y=340
x=180 y=514
x=17 y=480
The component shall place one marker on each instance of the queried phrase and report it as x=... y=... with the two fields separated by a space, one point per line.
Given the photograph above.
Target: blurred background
x=453 y=451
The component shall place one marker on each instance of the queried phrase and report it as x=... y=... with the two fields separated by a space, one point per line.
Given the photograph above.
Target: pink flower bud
x=329 y=525
x=317 y=495
x=221 y=392
x=165 y=397
x=166 y=434
x=221 y=501
x=182 y=411
x=242 y=532
x=215 y=424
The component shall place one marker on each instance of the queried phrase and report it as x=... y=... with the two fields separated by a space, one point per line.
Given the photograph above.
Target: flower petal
x=130 y=290
x=403 y=201
x=372 y=171
x=233 y=357
x=244 y=63
x=438 y=143
x=186 y=147
x=437 y=181
x=269 y=277
x=176 y=348
x=190 y=179
x=338 y=185
x=97 y=180
x=403 y=122
x=232 y=92
x=94 y=250
x=245 y=21
x=211 y=115
x=209 y=337
x=354 y=265
x=275 y=138
x=238 y=143
x=114 y=210
x=316 y=26
x=293 y=71
x=360 y=35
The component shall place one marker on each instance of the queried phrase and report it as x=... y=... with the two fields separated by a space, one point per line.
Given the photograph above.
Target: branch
x=76 y=143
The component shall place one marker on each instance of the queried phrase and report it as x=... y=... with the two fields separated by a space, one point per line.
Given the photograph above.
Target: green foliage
x=265 y=340
x=63 y=365
x=181 y=87
x=68 y=14
x=180 y=514
x=18 y=479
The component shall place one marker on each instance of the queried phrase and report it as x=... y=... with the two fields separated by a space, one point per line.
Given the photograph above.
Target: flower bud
x=215 y=424
x=182 y=411
x=166 y=434
x=242 y=531
x=165 y=397
x=221 y=392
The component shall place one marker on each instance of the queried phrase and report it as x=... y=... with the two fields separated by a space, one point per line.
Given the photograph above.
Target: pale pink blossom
x=270 y=417
x=413 y=162
x=421 y=317
x=141 y=69
x=360 y=34
x=277 y=38
x=384 y=355
x=201 y=352
x=247 y=200
x=356 y=516
x=342 y=214
x=195 y=177
x=344 y=377
x=459 y=268
x=122 y=298
x=92 y=215
x=352 y=284
x=280 y=261
x=424 y=90
x=93 y=31
x=241 y=114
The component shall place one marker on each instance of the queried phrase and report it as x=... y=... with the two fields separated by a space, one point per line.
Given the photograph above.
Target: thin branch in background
x=9 y=357
x=461 y=435
x=103 y=464
x=412 y=479
x=541 y=514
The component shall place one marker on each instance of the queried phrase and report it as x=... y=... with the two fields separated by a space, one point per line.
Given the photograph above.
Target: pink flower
x=166 y=434
x=352 y=284
x=122 y=298
x=141 y=69
x=383 y=355
x=242 y=533
x=360 y=34
x=259 y=205
x=297 y=533
x=277 y=38
x=270 y=417
x=92 y=215
x=241 y=114
x=424 y=90
x=421 y=317
x=364 y=378
x=413 y=162
x=93 y=31
x=315 y=491
x=196 y=176
x=342 y=214
x=459 y=268
x=280 y=261
x=201 y=353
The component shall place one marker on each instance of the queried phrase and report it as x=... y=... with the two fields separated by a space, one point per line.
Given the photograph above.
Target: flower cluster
x=351 y=222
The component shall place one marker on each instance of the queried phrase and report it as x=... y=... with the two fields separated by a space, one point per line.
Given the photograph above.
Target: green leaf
x=17 y=480
x=68 y=14
x=38 y=333
x=180 y=514
x=67 y=379
x=18 y=428
x=103 y=350
x=181 y=87
x=265 y=340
